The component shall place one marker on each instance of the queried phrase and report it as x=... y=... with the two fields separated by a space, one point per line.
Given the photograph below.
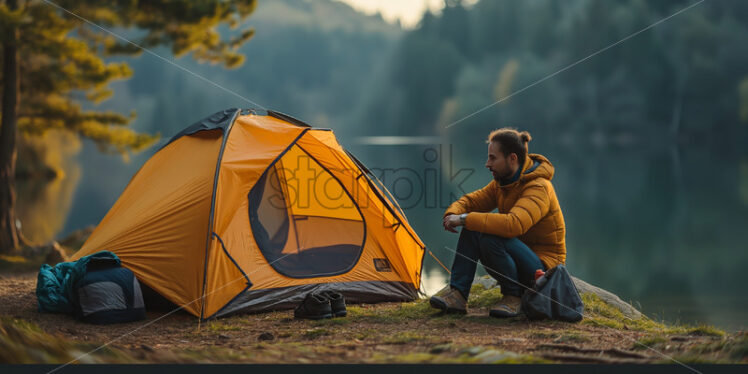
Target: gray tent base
x=289 y=297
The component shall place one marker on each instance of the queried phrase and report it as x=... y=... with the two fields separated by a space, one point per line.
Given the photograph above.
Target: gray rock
x=472 y=351
x=486 y=281
x=491 y=356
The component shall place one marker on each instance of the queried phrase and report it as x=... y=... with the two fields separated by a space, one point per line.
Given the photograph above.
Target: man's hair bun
x=525 y=136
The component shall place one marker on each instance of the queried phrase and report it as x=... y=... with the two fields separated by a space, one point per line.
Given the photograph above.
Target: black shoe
x=314 y=306
x=337 y=303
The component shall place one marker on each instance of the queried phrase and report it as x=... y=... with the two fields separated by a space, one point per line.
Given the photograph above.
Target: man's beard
x=498 y=177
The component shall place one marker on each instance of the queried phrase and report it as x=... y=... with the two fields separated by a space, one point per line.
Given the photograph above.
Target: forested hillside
x=681 y=76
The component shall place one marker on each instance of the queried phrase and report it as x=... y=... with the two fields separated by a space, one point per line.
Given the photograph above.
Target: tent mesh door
x=303 y=220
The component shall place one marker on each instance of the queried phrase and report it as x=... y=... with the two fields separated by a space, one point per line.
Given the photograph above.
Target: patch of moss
x=404 y=338
x=477 y=288
x=598 y=312
x=483 y=298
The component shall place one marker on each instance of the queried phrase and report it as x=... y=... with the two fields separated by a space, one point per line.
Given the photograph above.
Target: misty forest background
x=648 y=138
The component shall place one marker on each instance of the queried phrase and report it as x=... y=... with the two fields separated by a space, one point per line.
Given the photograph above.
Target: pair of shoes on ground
x=321 y=305
x=450 y=300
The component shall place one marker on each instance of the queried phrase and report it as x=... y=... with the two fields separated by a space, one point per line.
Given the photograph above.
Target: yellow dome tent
x=249 y=210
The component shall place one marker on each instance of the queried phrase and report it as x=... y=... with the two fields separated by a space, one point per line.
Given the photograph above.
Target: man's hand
x=451 y=221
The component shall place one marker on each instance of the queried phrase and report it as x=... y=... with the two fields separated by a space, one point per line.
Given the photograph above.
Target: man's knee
x=488 y=239
x=493 y=242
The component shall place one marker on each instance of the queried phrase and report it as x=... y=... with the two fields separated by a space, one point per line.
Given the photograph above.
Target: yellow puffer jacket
x=528 y=210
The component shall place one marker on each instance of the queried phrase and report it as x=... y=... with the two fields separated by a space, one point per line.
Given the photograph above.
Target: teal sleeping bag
x=54 y=285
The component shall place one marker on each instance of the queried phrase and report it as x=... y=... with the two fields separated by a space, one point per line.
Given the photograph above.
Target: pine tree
x=53 y=55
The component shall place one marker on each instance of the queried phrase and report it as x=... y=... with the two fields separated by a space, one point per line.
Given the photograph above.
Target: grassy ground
x=382 y=333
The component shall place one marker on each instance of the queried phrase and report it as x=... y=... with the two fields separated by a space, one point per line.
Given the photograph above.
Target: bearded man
x=527 y=233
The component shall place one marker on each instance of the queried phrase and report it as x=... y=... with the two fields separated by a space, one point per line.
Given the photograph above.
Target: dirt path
x=390 y=332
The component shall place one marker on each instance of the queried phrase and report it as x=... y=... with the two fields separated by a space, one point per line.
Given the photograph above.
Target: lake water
x=663 y=226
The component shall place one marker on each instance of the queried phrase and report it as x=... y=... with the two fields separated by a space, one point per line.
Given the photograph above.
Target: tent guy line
x=572 y=65
x=232 y=92
x=567 y=307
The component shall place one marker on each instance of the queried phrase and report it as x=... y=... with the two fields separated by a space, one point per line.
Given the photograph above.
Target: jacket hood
x=535 y=166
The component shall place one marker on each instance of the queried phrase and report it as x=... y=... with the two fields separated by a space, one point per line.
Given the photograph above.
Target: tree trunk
x=11 y=88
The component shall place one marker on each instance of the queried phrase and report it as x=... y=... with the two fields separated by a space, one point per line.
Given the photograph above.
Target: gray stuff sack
x=108 y=294
x=557 y=299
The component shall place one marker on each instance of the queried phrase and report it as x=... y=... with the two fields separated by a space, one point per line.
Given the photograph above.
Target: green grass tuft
x=218 y=326
x=705 y=330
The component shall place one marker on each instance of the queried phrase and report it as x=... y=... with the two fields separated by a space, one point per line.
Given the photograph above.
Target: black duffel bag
x=557 y=298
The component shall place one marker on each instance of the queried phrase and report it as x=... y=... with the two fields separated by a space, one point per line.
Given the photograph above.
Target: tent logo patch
x=382 y=264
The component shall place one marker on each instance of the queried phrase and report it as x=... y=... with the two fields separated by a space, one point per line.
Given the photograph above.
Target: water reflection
x=43 y=203
x=659 y=226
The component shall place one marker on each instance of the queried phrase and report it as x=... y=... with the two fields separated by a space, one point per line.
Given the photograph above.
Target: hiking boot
x=450 y=300
x=510 y=306
x=337 y=303
x=314 y=306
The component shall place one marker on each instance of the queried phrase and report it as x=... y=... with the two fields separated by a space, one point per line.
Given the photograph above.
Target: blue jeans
x=509 y=261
